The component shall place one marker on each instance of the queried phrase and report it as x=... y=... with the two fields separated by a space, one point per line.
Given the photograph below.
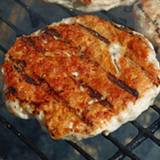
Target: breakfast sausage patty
x=81 y=77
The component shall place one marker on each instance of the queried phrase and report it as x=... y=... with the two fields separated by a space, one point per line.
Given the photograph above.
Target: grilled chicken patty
x=81 y=77
x=147 y=20
x=92 y=5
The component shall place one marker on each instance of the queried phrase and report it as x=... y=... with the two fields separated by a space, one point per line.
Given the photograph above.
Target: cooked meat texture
x=92 y=5
x=147 y=20
x=81 y=77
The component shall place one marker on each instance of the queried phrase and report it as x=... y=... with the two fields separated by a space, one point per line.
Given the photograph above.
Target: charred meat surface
x=81 y=77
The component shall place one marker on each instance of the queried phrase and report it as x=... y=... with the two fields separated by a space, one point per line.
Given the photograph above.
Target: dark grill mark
x=123 y=85
x=26 y=77
x=93 y=93
x=57 y=34
x=105 y=102
x=36 y=104
x=96 y=34
x=53 y=32
x=139 y=6
x=123 y=28
x=30 y=80
x=12 y=90
x=158 y=30
x=18 y=69
x=50 y=91
x=22 y=63
x=41 y=80
x=82 y=56
x=30 y=42
x=127 y=30
x=50 y=31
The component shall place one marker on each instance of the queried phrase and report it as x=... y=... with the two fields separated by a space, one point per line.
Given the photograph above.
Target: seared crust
x=79 y=74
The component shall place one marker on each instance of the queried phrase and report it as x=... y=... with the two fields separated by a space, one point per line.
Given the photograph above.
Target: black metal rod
x=140 y=138
x=132 y=145
x=22 y=138
x=123 y=149
x=146 y=131
x=114 y=19
x=69 y=11
x=3 y=49
x=81 y=151
x=35 y=17
x=136 y=141
x=17 y=30
x=157 y=109
x=155 y=125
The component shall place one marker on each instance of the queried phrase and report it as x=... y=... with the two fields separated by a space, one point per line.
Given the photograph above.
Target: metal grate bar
x=121 y=21
x=147 y=132
x=69 y=11
x=81 y=151
x=123 y=149
x=114 y=19
x=157 y=109
x=132 y=145
x=136 y=141
x=141 y=137
x=3 y=49
x=35 y=17
x=17 y=30
x=155 y=126
x=22 y=138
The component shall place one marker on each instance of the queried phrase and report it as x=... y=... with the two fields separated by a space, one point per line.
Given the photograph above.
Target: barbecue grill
x=21 y=139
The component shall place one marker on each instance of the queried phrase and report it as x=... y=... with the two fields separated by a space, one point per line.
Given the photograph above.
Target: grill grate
x=123 y=150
